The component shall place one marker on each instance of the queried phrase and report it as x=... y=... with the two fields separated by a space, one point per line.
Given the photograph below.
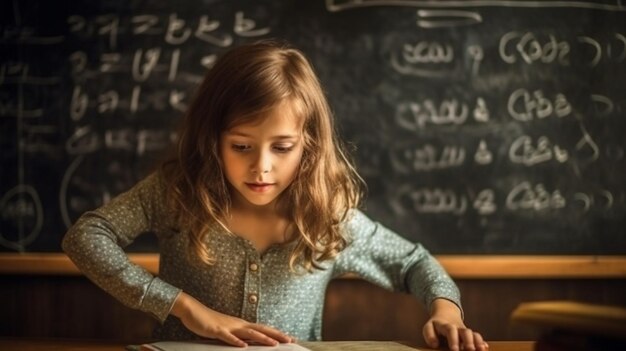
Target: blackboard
x=481 y=127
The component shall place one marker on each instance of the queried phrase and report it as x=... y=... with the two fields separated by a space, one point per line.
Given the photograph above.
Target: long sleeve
x=95 y=244
x=382 y=257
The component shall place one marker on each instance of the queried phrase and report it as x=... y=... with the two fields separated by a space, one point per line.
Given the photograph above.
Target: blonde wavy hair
x=245 y=82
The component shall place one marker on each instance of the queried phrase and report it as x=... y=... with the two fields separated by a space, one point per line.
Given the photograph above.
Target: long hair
x=245 y=82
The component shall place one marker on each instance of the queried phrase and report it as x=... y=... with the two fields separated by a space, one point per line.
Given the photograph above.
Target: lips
x=259 y=187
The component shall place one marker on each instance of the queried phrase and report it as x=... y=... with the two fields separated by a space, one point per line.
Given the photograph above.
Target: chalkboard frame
x=458 y=266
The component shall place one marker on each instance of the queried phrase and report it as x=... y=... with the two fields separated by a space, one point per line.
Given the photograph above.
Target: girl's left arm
x=446 y=322
x=381 y=256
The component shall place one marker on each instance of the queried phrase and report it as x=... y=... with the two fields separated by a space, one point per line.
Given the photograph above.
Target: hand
x=212 y=324
x=446 y=322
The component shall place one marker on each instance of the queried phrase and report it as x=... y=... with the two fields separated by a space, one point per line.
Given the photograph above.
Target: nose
x=262 y=162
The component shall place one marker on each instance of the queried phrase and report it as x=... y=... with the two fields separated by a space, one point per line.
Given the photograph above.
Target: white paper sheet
x=207 y=346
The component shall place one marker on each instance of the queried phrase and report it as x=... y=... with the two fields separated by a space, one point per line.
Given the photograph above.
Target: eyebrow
x=279 y=137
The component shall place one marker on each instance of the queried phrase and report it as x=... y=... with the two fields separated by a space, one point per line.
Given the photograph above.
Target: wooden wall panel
x=72 y=307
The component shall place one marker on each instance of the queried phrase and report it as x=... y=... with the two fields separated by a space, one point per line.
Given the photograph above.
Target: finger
x=430 y=336
x=450 y=332
x=273 y=333
x=231 y=339
x=257 y=337
x=480 y=343
x=467 y=339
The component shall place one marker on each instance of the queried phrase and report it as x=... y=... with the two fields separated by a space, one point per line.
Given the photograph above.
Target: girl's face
x=261 y=158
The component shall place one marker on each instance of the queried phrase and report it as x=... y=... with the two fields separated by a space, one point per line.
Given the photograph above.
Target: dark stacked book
x=574 y=326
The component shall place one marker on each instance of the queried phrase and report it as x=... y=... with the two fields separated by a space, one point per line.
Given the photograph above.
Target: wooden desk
x=80 y=345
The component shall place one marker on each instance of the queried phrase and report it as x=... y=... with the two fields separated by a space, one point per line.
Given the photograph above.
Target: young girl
x=255 y=214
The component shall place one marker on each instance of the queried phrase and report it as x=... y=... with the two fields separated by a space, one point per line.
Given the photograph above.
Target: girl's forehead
x=285 y=115
x=281 y=121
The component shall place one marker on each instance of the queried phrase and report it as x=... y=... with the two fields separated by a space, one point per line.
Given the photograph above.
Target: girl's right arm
x=95 y=242
x=209 y=323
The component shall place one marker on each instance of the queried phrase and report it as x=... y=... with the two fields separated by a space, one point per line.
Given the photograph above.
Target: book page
x=212 y=346
x=356 y=346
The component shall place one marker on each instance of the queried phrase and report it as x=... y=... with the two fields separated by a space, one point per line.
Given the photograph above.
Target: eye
x=283 y=148
x=240 y=147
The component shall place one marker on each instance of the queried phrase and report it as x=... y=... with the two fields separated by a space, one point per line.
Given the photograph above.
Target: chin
x=260 y=202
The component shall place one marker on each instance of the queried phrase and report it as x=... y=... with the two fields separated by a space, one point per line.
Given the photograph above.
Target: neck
x=274 y=209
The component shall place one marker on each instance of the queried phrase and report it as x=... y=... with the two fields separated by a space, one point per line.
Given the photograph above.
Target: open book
x=214 y=346
x=306 y=346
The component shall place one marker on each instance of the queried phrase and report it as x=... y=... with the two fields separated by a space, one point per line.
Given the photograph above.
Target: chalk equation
x=173 y=30
x=523 y=150
x=522 y=105
x=445 y=59
x=21 y=215
x=135 y=101
x=526 y=197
